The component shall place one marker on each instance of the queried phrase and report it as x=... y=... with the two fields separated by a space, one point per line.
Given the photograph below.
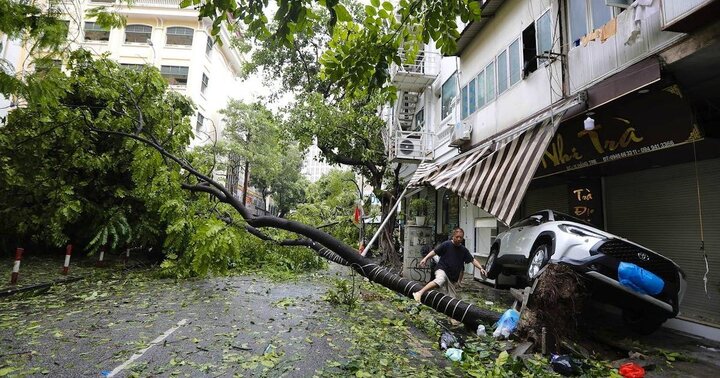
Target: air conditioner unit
x=461 y=133
x=410 y=147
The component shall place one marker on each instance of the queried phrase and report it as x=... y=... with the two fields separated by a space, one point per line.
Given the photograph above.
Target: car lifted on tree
x=647 y=298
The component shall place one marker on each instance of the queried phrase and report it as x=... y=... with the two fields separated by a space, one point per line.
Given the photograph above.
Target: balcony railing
x=145 y=3
x=418 y=74
x=162 y=3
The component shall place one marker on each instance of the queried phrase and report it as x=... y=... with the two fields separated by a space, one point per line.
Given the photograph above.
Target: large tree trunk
x=465 y=312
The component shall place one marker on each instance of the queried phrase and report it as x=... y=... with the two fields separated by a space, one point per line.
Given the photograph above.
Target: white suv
x=550 y=236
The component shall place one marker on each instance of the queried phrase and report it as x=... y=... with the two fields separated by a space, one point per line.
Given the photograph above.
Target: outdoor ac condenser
x=461 y=133
x=409 y=147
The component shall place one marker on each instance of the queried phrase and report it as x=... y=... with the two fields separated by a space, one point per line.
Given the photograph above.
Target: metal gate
x=659 y=208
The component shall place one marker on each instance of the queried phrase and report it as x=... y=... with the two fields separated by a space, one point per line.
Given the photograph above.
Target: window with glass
x=543 y=27
x=537 y=43
x=480 y=89
x=199 y=122
x=175 y=75
x=209 y=45
x=471 y=96
x=420 y=120
x=132 y=66
x=585 y=16
x=179 y=36
x=502 y=72
x=138 y=33
x=95 y=32
x=66 y=26
x=490 y=82
x=464 y=98
x=449 y=92
x=514 y=63
x=45 y=65
x=204 y=83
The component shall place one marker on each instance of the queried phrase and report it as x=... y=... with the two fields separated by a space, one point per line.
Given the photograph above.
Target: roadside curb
x=11 y=291
x=6 y=292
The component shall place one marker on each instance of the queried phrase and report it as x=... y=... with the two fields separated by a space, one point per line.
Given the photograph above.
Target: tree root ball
x=556 y=304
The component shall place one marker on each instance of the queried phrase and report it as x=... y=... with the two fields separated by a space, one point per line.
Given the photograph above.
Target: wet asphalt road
x=214 y=327
x=135 y=325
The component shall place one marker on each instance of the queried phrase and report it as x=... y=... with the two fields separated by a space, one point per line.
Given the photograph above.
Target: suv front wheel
x=491 y=266
x=538 y=258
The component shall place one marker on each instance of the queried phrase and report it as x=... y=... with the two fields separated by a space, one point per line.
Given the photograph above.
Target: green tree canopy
x=253 y=135
x=363 y=45
x=60 y=183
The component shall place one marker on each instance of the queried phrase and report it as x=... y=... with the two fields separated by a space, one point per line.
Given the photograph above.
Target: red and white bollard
x=66 y=266
x=102 y=255
x=16 y=268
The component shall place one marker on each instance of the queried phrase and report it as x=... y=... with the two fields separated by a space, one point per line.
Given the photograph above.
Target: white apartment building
x=313 y=166
x=160 y=33
x=10 y=51
x=543 y=98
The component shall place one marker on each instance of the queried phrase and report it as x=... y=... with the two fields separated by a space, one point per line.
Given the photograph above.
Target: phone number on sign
x=641 y=150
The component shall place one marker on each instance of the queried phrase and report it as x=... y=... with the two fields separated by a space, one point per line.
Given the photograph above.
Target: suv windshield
x=564 y=217
x=533 y=220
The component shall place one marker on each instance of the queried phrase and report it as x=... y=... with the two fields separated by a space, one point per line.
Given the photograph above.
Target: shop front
x=647 y=172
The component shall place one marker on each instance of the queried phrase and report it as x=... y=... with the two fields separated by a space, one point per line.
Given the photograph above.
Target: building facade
x=623 y=100
x=314 y=167
x=161 y=34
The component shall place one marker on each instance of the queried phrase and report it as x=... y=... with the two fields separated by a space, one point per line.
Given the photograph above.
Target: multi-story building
x=606 y=110
x=160 y=33
x=313 y=165
x=10 y=50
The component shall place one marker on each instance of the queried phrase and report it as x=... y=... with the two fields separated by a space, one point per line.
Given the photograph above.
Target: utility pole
x=246 y=179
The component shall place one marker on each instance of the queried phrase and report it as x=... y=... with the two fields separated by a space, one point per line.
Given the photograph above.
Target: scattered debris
x=454 y=354
x=631 y=370
x=564 y=364
x=522 y=348
x=507 y=323
x=448 y=340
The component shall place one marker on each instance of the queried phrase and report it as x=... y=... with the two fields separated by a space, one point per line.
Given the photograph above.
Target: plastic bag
x=507 y=323
x=638 y=279
x=481 y=330
x=631 y=370
x=454 y=354
x=563 y=364
x=448 y=340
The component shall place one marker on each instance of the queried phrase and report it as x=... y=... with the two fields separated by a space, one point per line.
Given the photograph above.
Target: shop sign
x=585 y=201
x=623 y=129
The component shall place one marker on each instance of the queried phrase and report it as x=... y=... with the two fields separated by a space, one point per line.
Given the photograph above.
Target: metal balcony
x=418 y=74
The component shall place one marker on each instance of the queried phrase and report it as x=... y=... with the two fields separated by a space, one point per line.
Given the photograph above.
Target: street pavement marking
x=152 y=344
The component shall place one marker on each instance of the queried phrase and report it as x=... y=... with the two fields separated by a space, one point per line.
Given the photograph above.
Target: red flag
x=356 y=216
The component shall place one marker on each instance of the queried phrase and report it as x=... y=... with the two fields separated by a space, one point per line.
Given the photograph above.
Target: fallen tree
x=105 y=102
x=325 y=244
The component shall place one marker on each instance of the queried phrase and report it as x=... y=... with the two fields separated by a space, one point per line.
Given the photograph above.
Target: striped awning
x=498 y=182
x=423 y=171
x=495 y=175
